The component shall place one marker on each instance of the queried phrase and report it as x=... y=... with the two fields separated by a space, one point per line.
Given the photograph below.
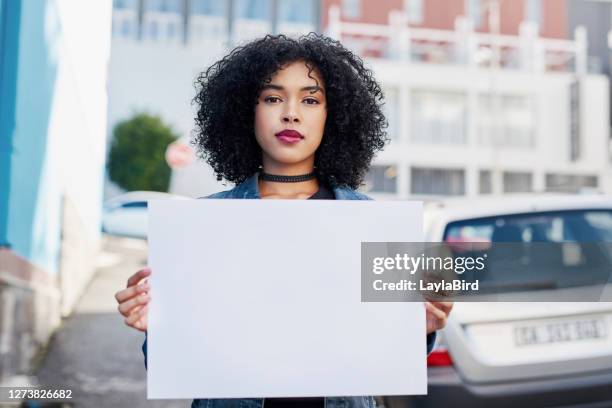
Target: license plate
x=560 y=332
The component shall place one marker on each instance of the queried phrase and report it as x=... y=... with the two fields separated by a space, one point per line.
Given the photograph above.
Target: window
x=557 y=226
x=485 y=182
x=252 y=19
x=475 y=12
x=126 y=28
x=208 y=21
x=351 y=8
x=297 y=11
x=517 y=182
x=533 y=11
x=414 y=11
x=124 y=4
x=252 y=9
x=565 y=248
x=153 y=30
x=381 y=179
x=438 y=117
x=570 y=183
x=171 y=30
x=208 y=7
x=506 y=120
x=167 y=6
x=432 y=181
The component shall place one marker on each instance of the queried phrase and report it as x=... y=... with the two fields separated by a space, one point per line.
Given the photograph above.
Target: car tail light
x=439 y=357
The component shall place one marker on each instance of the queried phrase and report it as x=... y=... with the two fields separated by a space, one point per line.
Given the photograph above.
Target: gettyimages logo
x=413 y=264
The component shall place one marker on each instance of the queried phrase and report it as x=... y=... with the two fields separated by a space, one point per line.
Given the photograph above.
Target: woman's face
x=290 y=117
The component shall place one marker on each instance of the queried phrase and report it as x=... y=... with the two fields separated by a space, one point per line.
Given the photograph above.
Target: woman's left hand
x=437 y=315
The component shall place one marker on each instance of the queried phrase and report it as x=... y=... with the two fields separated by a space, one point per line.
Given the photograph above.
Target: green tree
x=137 y=155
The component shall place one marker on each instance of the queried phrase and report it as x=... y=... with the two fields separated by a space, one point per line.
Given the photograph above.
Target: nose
x=290 y=118
x=290 y=115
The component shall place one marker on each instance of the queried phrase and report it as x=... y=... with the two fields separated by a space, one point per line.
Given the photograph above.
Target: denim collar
x=249 y=189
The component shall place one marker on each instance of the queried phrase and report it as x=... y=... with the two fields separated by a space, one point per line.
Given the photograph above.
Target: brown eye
x=272 y=99
x=311 y=101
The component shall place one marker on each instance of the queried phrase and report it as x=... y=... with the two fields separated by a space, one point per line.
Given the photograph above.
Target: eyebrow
x=312 y=88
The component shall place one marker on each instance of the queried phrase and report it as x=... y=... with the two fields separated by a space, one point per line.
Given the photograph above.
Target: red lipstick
x=289 y=136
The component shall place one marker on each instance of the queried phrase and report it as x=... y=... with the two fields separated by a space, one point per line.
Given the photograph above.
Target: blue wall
x=10 y=15
x=34 y=201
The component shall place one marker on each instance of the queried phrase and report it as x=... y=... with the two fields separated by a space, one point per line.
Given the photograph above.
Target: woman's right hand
x=134 y=300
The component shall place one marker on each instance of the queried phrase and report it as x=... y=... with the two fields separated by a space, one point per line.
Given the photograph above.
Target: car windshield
x=541 y=250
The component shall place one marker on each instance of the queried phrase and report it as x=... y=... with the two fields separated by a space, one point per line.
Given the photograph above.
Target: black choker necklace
x=287 y=179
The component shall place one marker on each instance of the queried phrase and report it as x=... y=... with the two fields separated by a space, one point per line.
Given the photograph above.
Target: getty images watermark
x=413 y=264
x=485 y=271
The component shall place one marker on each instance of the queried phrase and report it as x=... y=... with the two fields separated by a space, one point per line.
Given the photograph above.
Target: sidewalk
x=94 y=353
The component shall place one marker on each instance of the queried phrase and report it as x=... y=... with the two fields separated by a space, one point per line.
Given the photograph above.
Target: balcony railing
x=461 y=46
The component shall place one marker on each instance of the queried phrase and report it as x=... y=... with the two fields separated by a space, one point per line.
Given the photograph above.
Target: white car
x=126 y=214
x=479 y=360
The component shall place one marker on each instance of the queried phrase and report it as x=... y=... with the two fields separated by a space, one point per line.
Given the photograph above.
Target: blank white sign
x=262 y=298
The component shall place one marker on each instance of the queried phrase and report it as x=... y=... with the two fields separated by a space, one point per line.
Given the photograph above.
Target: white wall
x=77 y=131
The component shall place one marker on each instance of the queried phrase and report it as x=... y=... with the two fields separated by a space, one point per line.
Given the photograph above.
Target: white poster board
x=262 y=298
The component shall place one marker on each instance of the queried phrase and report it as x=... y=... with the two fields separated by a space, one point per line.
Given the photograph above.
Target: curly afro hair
x=228 y=91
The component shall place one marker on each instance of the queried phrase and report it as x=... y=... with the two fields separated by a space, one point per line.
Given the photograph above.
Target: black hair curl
x=228 y=91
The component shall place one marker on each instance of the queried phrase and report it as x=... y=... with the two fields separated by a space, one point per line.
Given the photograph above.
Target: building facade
x=482 y=111
x=482 y=96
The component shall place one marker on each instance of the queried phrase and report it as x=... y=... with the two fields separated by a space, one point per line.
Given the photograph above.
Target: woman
x=289 y=119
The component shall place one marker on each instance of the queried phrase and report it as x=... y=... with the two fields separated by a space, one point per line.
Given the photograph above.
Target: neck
x=298 y=190
x=293 y=169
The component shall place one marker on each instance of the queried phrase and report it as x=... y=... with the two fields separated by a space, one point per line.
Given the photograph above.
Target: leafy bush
x=137 y=155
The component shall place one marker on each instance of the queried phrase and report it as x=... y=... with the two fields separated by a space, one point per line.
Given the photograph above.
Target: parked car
x=126 y=214
x=479 y=360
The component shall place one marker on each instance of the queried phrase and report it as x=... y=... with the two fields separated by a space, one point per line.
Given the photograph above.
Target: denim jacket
x=249 y=189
